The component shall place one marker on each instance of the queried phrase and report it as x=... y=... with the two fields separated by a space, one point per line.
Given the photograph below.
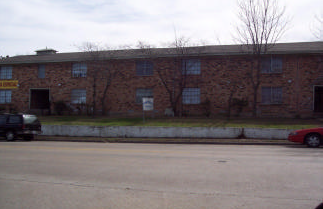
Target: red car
x=312 y=137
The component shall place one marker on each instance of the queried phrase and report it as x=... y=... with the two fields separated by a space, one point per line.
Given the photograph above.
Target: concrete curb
x=165 y=140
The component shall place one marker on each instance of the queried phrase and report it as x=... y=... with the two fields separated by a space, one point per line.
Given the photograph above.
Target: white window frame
x=79 y=70
x=5 y=72
x=191 y=67
x=78 y=96
x=144 y=68
x=191 y=96
x=271 y=95
x=143 y=92
x=5 y=96
x=272 y=64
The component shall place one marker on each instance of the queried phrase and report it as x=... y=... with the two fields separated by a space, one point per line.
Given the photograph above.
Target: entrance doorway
x=318 y=99
x=39 y=99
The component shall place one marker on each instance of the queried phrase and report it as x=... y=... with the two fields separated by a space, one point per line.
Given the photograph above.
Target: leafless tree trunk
x=92 y=56
x=174 y=77
x=110 y=73
x=102 y=67
x=262 y=25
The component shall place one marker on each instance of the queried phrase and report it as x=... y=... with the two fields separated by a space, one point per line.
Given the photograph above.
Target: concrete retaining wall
x=266 y=133
x=163 y=132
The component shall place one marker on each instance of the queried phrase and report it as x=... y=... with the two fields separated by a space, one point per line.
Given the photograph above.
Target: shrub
x=60 y=107
x=239 y=104
x=207 y=107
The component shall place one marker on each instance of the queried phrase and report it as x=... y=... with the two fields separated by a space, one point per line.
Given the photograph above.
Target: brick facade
x=221 y=77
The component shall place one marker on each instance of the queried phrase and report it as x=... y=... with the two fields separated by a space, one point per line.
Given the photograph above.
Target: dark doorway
x=39 y=99
x=318 y=99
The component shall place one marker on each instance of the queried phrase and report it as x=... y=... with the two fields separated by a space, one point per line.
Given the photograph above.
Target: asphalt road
x=111 y=175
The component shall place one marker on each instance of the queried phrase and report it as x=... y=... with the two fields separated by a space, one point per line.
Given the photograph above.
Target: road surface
x=112 y=175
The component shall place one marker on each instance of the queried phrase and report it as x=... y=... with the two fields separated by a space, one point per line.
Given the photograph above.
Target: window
x=144 y=68
x=78 y=96
x=271 y=95
x=41 y=71
x=79 y=70
x=14 y=119
x=191 y=67
x=6 y=72
x=140 y=93
x=5 y=96
x=272 y=65
x=191 y=96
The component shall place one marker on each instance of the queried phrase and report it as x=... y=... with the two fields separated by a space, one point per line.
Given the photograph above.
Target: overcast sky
x=29 y=25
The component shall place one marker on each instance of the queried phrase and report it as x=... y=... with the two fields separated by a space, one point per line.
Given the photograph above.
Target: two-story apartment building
x=206 y=80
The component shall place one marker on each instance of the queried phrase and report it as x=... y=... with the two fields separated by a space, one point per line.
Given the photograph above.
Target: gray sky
x=29 y=25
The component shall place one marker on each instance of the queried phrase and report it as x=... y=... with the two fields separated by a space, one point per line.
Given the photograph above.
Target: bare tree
x=317 y=28
x=102 y=68
x=263 y=23
x=93 y=57
x=110 y=72
x=174 y=76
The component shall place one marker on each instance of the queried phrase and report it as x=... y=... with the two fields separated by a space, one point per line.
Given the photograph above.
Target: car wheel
x=313 y=140
x=10 y=136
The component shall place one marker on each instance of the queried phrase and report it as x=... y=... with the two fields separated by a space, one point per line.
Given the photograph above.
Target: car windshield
x=28 y=119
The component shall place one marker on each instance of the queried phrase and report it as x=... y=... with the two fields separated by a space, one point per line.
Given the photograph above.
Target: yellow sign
x=8 y=84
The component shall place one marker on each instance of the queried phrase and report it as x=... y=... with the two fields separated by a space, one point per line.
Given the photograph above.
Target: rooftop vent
x=46 y=51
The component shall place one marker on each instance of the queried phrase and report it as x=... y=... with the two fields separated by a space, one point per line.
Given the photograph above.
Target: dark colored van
x=19 y=125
